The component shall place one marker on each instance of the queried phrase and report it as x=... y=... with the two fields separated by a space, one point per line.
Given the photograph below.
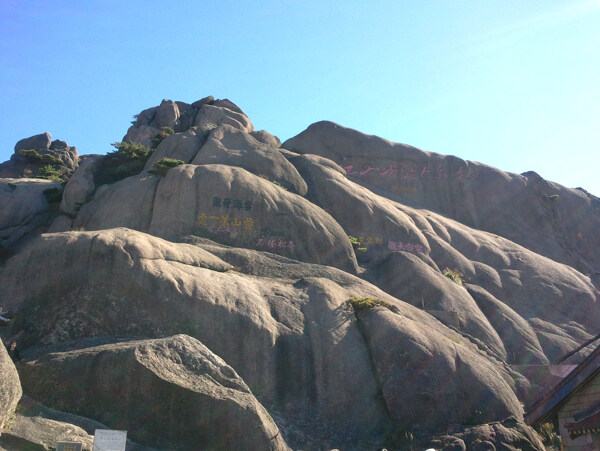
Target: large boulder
x=36 y=427
x=10 y=387
x=510 y=434
x=180 y=117
x=36 y=151
x=38 y=142
x=81 y=186
x=456 y=384
x=218 y=115
x=173 y=393
x=181 y=146
x=405 y=276
x=24 y=208
x=230 y=146
x=226 y=204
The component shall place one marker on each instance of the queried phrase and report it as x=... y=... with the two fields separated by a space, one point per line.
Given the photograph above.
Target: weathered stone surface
x=37 y=427
x=510 y=434
x=80 y=187
x=36 y=142
x=63 y=158
x=519 y=338
x=141 y=134
x=266 y=138
x=62 y=223
x=181 y=146
x=167 y=114
x=252 y=285
x=230 y=146
x=24 y=209
x=454 y=381
x=295 y=342
x=210 y=114
x=126 y=203
x=208 y=401
x=407 y=277
x=263 y=212
x=360 y=212
x=549 y=219
x=10 y=387
x=226 y=103
x=208 y=99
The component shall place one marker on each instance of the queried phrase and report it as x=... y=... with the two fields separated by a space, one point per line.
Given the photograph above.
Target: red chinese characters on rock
x=411 y=173
x=273 y=244
x=408 y=247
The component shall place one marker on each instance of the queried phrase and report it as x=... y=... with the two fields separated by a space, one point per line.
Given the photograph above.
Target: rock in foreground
x=171 y=393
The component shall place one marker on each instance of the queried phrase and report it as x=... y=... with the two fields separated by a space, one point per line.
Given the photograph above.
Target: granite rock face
x=24 y=208
x=39 y=150
x=10 y=388
x=142 y=375
x=361 y=292
x=549 y=219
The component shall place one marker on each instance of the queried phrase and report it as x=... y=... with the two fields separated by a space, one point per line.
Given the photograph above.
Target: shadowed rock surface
x=10 y=388
x=200 y=387
x=37 y=427
x=24 y=209
x=406 y=331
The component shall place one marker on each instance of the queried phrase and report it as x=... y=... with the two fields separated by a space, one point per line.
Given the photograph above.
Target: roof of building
x=555 y=398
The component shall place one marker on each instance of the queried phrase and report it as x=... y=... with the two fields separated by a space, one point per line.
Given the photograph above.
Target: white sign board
x=108 y=440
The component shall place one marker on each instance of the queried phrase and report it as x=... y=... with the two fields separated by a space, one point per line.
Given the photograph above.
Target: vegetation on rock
x=129 y=159
x=549 y=436
x=161 y=167
x=33 y=156
x=356 y=244
x=54 y=197
x=160 y=136
x=368 y=303
x=454 y=276
x=49 y=172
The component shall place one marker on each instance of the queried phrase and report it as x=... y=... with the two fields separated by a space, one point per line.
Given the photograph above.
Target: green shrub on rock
x=129 y=159
x=53 y=197
x=368 y=303
x=160 y=136
x=161 y=167
x=455 y=276
x=33 y=156
x=50 y=173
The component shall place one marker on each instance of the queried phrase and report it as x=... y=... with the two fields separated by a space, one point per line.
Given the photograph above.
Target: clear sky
x=514 y=83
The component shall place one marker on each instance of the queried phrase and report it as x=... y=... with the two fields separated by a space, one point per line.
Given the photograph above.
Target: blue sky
x=514 y=84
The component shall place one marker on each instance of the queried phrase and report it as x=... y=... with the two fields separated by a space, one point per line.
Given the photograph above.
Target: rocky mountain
x=223 y=290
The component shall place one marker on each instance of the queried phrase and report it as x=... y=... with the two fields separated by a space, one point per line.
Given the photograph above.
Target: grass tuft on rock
x=454 y=276
x=368 y=303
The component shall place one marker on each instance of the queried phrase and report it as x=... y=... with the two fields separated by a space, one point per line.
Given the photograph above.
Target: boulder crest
x=35 y=152
x=180 y=116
